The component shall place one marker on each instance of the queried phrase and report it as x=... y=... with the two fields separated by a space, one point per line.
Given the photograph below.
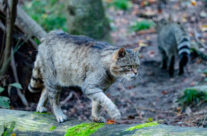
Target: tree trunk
x=27 y=24
x=23 y=123
x=87 y=17
x=10 y=19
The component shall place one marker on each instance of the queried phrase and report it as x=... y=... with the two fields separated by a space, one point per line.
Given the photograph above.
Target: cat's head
x=125 y=63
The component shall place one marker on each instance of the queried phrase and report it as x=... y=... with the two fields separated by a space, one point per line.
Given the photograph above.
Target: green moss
x=8 y=129
x=42 y=113
x=52 y=128
x=142 y=25
x=120 y=4
x=50 y=14
x=142 y=126
x=84 y=129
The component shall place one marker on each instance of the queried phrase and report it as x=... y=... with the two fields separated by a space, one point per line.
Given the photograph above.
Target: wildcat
x=173 y=41
x=65 y=60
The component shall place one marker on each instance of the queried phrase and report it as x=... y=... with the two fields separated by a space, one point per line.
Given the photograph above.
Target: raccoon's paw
x=41 y=109
x=99 y=119
x=61 y=118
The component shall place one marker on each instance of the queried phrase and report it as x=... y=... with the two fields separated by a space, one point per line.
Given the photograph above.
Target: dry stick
x=11 y=16
x=197 y=40
x=67 y=99
x=13 y=65
x=2 y=44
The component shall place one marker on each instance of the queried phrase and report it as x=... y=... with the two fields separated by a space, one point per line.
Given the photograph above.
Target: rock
x=32 y=123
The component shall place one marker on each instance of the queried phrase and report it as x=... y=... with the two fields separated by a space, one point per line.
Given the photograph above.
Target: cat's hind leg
x=54 y=96
x=42 y=101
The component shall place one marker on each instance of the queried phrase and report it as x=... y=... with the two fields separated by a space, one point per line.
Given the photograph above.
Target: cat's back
x=71 y=56
x=59 y=39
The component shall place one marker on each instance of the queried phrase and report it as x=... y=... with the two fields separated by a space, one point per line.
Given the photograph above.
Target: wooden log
x=24 y=123
x=26 y=23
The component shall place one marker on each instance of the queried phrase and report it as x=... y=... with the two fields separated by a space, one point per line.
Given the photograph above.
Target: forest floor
x=153 y=95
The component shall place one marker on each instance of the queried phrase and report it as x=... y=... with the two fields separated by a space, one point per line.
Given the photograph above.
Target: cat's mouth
x=130 y=76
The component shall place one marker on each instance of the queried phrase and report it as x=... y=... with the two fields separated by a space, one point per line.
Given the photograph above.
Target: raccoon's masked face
x=125 y=63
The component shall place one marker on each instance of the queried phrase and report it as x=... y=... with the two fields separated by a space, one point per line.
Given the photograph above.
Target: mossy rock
x=33 y=124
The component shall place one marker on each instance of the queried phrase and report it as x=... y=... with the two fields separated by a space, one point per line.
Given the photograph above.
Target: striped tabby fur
x=65 y=60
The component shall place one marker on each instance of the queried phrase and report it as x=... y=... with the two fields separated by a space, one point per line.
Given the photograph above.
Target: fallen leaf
x=148 y=31
x=203 y=28
x=193 y=2
x=178 y=110
x=110 y=122
x=151 y=1
x=13 y=134
x=143 y=3
x=192 y=83
x=164 y=92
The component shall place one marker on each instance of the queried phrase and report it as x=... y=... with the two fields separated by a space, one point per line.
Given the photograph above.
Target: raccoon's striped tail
x=183 y=52
x=36 y=83
x=184 y=48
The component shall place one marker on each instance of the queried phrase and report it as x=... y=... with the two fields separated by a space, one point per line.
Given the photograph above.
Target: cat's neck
x=106 y=59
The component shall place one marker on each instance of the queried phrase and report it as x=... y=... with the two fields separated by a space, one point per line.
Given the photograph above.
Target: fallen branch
x=26 y=23
x=67 y=98
x=19 y=93
x=199 y=53
x=196 y=35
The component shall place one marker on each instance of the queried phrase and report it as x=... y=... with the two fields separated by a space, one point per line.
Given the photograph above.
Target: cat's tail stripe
x=36 y=83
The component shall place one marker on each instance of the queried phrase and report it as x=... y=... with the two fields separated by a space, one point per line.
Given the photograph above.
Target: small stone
x=203 y=14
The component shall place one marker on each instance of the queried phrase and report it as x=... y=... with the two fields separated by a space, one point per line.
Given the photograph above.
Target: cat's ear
x=121 y=53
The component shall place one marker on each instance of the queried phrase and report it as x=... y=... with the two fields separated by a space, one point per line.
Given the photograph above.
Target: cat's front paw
x=116 y=116
x=41 y=109
x=99 y=119
x=61 y=118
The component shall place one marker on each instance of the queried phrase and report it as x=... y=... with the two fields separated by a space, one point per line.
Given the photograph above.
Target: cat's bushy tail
x=36 y=83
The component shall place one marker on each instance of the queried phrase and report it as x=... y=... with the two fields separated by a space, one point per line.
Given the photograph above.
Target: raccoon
x=173 y=41
x=65 y=60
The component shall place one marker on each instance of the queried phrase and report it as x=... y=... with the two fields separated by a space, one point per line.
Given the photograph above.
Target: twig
x=13 y=65
x=197 y=40
x=67 y=98
x=204 y=120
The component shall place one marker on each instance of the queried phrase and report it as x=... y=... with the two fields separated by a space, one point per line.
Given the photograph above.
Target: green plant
x=192 y=96
x=4 y=101
x=121 y=4
x=49 y=14
x=142 y=25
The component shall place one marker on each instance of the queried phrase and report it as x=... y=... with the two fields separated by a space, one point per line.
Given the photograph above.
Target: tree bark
x=10 y=19
x=87 y=17
x=27 y=24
